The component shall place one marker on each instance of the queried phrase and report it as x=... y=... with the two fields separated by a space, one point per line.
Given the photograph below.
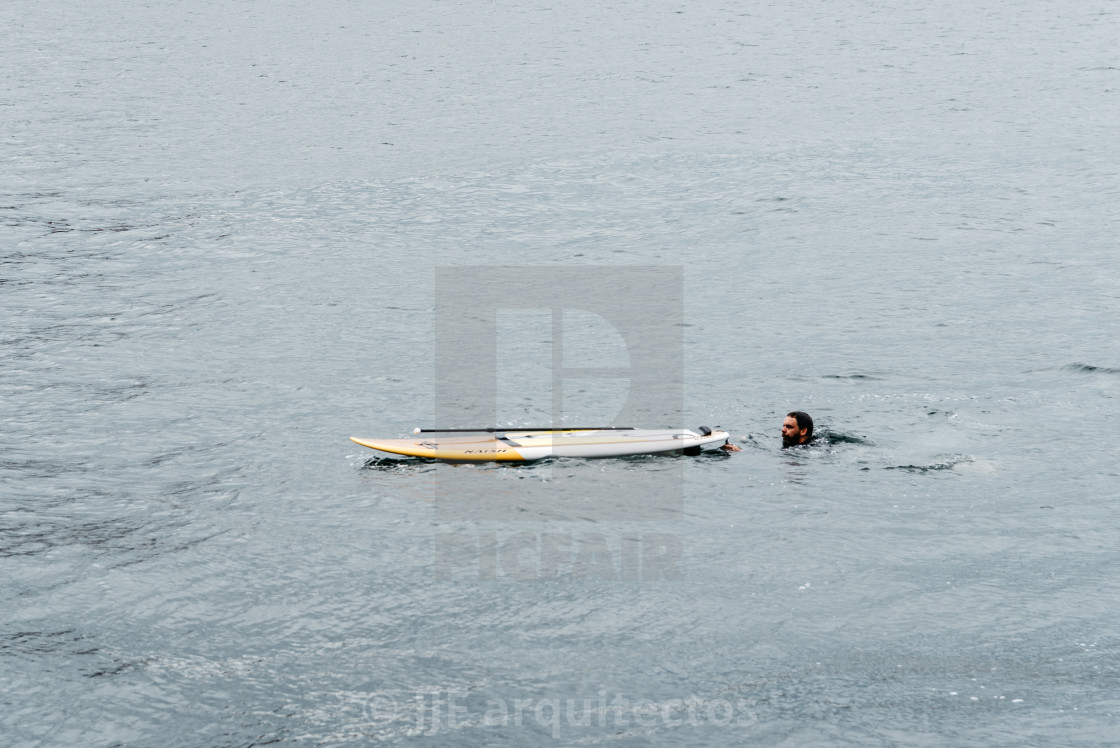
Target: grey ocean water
x=219 y=229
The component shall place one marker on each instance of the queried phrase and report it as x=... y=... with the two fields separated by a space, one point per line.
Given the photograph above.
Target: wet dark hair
x=803 y=422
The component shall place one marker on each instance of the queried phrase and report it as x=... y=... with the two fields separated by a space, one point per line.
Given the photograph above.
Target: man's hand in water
x=729 y=447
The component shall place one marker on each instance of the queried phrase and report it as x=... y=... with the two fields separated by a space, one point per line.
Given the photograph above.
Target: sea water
x=220 y=229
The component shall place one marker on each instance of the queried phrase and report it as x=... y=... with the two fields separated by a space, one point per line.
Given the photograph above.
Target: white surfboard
x=520 y=445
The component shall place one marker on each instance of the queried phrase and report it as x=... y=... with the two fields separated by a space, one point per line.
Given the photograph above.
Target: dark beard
x=787 y=442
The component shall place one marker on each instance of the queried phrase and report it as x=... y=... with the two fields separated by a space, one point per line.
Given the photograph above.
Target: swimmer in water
x=797 y=429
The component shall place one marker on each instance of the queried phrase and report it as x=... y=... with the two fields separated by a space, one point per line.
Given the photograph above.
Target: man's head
x=796 y=429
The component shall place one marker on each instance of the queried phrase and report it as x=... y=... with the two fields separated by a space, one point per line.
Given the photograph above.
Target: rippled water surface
x=219 y=229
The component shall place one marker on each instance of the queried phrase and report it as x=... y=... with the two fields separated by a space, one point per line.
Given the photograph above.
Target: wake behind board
x=520 y=445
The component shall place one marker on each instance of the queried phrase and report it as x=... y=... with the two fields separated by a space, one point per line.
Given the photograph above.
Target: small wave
x=947 y=464
x=67 y=642
x=868 y=377
x=397 y=464
x=1089 y=369
x=830 y=437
